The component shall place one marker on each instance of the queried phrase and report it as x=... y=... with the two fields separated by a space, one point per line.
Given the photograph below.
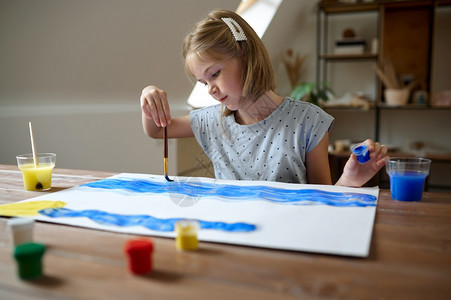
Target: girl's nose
x=212 y=89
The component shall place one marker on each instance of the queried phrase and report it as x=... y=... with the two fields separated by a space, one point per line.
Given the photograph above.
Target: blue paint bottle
x=362 y=152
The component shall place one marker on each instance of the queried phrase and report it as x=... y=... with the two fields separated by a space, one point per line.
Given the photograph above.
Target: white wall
x=94 y=51
x=293 y=26
x=76 y=70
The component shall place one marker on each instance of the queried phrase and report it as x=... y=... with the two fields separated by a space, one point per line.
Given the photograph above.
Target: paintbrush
x=33 y=147
x=165 y=137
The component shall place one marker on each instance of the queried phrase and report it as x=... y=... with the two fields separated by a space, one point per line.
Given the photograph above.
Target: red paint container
x=139 y=255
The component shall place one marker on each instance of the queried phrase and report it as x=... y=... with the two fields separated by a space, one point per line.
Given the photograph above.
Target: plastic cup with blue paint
x=407 y=177
x=362 y=152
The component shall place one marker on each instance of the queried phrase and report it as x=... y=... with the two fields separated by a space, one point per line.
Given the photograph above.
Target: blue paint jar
x=362 y=152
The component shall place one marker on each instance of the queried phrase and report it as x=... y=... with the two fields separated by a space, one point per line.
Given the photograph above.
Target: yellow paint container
x=186 y=231
x=37 y=178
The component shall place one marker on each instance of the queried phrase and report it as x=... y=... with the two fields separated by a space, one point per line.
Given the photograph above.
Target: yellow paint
x=29 y=208
x=187 y=235
x=37 y=178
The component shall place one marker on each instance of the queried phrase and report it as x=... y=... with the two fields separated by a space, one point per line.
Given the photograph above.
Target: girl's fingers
x=380 y=163
x=376 y=150
x=157 y=109
x=144 y=106
x=383 y=152
x=167 y=112
x=145 y=109
x=161 y=107
x=155 y=106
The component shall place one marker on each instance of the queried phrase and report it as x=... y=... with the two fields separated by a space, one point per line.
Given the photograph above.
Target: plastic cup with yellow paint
x=186 y=231
x=37 y=176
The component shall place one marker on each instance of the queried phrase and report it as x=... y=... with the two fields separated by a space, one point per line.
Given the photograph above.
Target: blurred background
x=76 y=70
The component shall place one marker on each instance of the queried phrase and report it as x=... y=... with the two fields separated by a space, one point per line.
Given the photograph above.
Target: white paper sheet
x=271 y=215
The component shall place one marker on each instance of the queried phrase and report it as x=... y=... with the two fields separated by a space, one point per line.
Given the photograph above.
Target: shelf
x=404 y=31
x=437 y=157
x=331 y=7
x=385 y=106
x=337 y=7
x=347 y=107
x=364 y=56
x=414 y=107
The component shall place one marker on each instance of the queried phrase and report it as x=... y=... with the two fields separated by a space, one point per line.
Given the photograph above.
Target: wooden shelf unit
x=405 y=33
x=363 y=56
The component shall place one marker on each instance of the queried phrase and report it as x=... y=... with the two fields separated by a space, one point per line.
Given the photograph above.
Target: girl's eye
x=215 y=74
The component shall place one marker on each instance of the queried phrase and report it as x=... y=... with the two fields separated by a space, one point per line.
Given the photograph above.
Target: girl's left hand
x=356 y=174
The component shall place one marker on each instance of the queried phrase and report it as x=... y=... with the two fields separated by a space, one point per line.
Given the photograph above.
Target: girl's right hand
x=155 y=106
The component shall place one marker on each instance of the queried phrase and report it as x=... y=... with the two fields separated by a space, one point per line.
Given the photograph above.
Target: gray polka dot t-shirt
x=273 y=149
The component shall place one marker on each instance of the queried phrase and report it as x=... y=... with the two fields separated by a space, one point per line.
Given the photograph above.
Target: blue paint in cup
x=407 y=186
x=362 y=152
x=407 y=177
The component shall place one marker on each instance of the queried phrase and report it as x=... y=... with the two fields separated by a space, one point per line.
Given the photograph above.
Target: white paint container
x=20 y=231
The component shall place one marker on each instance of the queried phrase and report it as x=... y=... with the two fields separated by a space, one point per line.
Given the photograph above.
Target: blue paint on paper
x=237 y=192
x=152 y=223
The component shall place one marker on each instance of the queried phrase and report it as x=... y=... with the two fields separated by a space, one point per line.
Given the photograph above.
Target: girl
x=253 y=134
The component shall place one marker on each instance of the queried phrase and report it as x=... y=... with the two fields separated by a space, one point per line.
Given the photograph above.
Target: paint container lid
x=29 y=259
x=139 y=246
x=187 y=227
x=20 y=224
x=186 y=231
x=362 y=152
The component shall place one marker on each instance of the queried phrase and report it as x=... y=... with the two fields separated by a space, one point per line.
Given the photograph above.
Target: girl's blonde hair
x=211 y=37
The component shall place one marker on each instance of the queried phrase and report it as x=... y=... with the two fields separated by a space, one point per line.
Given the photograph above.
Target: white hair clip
x=236 y=29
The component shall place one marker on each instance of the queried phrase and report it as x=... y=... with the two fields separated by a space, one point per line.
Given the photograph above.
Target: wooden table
x=410 y=258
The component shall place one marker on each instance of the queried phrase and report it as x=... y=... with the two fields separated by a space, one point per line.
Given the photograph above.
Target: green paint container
x=29 y=260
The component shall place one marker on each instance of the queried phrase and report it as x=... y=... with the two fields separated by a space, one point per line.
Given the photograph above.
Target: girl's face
x=222 y=77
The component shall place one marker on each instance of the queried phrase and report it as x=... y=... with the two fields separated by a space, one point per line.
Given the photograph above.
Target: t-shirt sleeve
x=196 y=125
x=316 y=124
x=204 y=123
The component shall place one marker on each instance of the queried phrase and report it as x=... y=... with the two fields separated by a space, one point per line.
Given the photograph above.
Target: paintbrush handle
x=33 y=147
x=165 y=137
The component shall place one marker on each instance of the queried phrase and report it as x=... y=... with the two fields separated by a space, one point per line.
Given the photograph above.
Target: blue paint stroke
x=152 y=223
x=237 y=192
